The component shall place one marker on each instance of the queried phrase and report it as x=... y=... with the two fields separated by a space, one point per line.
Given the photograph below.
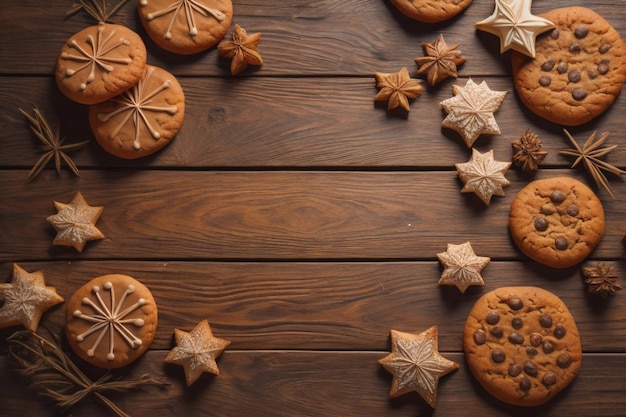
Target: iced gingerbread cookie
x=431 y=11
x=556 y=221
x=111 y=321
x=522 y=345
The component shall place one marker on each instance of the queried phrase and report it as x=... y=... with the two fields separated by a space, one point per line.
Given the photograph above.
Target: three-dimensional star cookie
x=25 y=299
x=461 y=266
x=470 y=111
x=75 y=223
x=397 y=88
x=196 y=351
x=483 y=175
x=416 y=364
x=515 y=25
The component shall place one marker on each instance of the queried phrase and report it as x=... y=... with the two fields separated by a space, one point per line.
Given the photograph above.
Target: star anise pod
x=397 y=88
x=528 y=151
x=242 y=49
x=52 y=147
x=601 y=279
x=99 y=10
x=590 y=154
x=440 y=60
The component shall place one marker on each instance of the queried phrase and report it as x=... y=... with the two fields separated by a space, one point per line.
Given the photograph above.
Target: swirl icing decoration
x=188 y=7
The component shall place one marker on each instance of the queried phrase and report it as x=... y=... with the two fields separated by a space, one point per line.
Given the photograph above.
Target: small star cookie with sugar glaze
x=196 y=351
x=75 y=223
x=483 y=175
x=25 y=299
x=461 y=266
x=416 y=364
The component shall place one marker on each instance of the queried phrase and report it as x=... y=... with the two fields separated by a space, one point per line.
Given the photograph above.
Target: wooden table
x=298 y=217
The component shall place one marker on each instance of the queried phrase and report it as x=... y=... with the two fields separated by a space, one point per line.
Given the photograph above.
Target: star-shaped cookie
x=440 y=60
x=25 y=299
x=416 y=364
x=75 y=223
x=515 y=25
x=483 y=175
x=397 y=88
x=470 y=111
x=461 y=266
x=196 y=351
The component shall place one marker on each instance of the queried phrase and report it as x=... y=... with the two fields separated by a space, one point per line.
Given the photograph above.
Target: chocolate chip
x=547 y=65
x=498 y=355
x=547 y=347
x=541 y=224
x=562 y=67
x=560 y=243
x=579 y=94
x=545 y=81
x=581 y=31
x=603 y=67
x=480 y=337
x=604 y=48
x=536 y=339
x=531 y=351
x=572 y=210
x=515 y=303
x=557 y=196
x=496 y=332
x=575 y=48
x=524 y=384
x=516 y=338
x=530 y=368
x=555 y=34
x=517 y=323
x=549 y=378
x=492 y=317
x=515 y=369
x=573 y=76
x=564 y=360
x=593 y=74
x=545 y=321
x=559 y=331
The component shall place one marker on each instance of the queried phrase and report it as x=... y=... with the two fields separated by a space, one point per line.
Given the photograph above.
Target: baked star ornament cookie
x=397 y=88
x=515 y=25
x=440 y=60
x=483 y=175
x=461 y=266
x=25 y=299
x=470 y=110
x=241 y=50
x=75 y=223
x=196 y=351
x=416 y=364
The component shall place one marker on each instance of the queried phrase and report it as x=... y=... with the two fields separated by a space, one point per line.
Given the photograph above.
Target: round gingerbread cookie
x=143 y=119
x=578 y=70
x=431 y=11
x=100 y=62
x=111 y=321
x=522 y=344
x=556 y=221
x=187 y=28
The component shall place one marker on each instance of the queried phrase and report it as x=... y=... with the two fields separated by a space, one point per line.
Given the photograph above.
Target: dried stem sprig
x=99 y=10
x=590 y=154
x=52 y=145
x=54 y=376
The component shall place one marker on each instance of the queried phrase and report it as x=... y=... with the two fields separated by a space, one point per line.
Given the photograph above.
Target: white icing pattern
x=136 y=102
x=108 y=319
x=188 y=6
x=97 y=57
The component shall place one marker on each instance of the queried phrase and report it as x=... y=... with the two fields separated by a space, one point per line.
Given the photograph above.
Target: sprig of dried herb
x=590 y=154
x=52 y=147
x=96 y=9
x=54 y=376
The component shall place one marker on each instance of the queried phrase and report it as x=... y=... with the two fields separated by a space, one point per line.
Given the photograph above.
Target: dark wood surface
x=298 y=217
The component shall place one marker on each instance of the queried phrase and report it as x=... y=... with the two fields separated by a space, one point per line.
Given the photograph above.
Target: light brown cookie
x=187 y=28
x=522 y=344
x=100 y=62
x=557 y=221
x=111 y=321
x=143 y=119
x=431 y=11
x=578 y=70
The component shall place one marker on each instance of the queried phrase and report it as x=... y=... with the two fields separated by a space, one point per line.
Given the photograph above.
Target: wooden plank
x=327 y=306
x=169 y=215
x=273 y=383
x=294 y=122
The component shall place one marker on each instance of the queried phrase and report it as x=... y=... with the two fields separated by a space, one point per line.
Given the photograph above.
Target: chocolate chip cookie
x=578 y=70
x=431 y=11
x=522 y=344
x=556 y=221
